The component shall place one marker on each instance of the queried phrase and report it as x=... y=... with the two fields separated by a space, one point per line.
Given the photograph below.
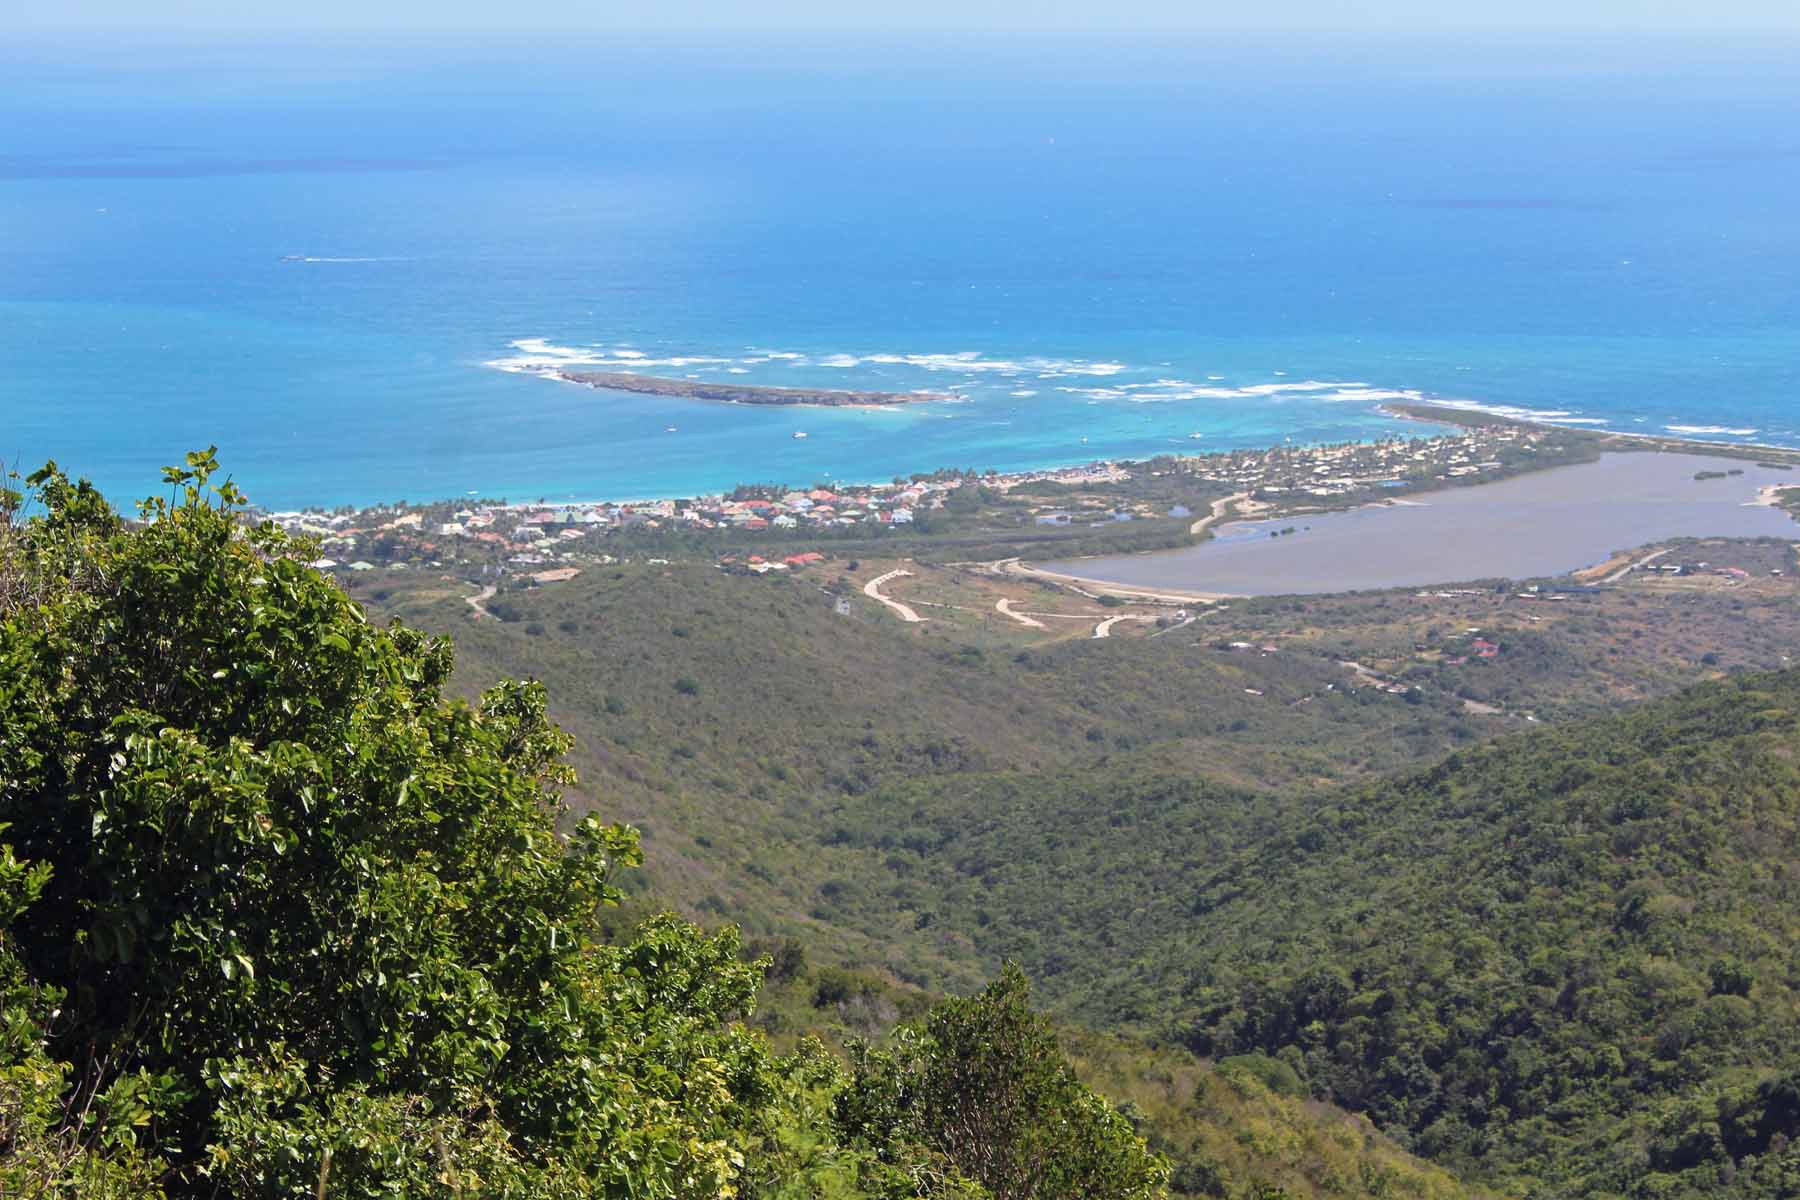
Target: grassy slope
x=739 y=720
x=1159 y=849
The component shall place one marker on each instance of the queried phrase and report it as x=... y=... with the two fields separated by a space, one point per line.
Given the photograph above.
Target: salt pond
x=1545 y=523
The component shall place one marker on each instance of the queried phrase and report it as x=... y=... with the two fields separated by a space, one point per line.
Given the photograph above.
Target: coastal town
x=788 y=528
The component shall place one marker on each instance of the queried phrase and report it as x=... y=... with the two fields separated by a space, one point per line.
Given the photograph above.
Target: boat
x=670 y=429
x=799 y=433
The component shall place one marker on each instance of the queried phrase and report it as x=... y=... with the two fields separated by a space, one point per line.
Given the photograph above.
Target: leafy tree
x=985 y=1088
x=282 y=916
x=307 y=917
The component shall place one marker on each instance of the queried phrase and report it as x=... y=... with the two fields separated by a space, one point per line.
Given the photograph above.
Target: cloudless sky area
x=1029 y=15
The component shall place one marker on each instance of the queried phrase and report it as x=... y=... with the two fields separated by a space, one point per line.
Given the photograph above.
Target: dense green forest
x=1567 y=958
x=1563 y=958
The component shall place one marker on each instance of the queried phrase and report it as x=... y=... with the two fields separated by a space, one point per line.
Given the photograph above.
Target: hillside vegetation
x=293 y=903
x=1528 y=963
x=736 y=721
x=1563 y=957
x=1567 y=957
x=1241 y=1128
x=280 y=917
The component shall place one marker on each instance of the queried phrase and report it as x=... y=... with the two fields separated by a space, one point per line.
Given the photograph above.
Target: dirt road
x=1004 y=607
x=872 y=590
x=1220 y=507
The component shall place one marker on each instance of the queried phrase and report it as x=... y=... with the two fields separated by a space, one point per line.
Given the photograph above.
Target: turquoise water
x=1103 y=248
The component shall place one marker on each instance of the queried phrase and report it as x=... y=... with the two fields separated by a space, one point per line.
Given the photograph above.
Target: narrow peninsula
x=740 y=393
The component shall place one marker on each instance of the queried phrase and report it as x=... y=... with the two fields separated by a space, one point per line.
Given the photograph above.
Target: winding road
x=1104 y=628
x=1004 y=607
x=872 y=590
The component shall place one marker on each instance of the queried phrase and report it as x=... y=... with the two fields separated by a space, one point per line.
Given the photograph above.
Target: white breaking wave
x=974 y=362
x=1167 y=391
x=1547 y=416
x=1724 y=429
x=1372 y=395
x=540 y=356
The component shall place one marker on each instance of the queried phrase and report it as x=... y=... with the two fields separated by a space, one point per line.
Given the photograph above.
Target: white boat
x=670 y=429
x=799 y=433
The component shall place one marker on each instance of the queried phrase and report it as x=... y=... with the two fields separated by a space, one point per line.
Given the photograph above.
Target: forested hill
x=1555 y=962
x=1567 y=956
x=1562 y=958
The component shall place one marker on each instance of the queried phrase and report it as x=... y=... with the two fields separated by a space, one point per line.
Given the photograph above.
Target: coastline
x=1475 y=417
x=1445 y=416
x=1478 y=473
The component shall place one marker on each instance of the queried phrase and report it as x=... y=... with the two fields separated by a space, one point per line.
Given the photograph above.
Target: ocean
x=320 y=255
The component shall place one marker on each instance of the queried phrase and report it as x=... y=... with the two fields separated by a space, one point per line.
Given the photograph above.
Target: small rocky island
x=740 y=393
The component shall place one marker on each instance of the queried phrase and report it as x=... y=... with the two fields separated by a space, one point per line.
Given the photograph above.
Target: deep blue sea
x=1103 y=247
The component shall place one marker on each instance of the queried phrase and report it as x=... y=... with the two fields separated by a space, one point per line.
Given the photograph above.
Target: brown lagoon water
x=1541 y=524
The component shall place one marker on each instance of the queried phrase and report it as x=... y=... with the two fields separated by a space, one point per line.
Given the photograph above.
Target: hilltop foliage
x=284 y=918
x=1225 y=1131
x=289 y=900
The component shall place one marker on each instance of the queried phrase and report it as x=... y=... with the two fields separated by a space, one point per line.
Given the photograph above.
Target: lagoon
x=1542 y=524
